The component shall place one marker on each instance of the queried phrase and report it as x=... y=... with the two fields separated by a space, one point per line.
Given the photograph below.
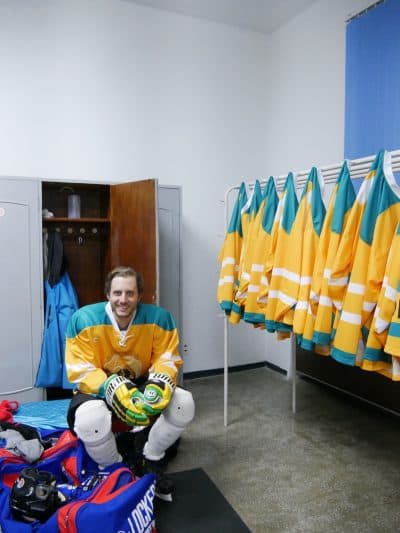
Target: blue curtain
x=372 y=111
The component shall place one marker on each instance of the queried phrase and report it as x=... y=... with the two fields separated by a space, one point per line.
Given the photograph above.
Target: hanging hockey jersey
x=305 y=238
x=283 y=224
x=375 y=358
x=317 y=330
x=379 y=221
x=342 y=265
x=249 y=228
x=229 y=256
x=390 y=312
x=296 y=268
x=261 y=248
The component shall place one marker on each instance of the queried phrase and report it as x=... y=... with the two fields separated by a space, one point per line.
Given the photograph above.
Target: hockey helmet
x=34 y=495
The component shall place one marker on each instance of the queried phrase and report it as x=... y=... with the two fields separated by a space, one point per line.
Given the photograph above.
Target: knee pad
x=93 y=427
x=92 y=421
x=180 y=410
x=170 y=425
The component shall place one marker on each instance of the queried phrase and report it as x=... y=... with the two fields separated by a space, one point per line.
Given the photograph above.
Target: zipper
x=69 y=519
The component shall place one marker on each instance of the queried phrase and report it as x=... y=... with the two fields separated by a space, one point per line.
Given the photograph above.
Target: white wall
x=113 y=91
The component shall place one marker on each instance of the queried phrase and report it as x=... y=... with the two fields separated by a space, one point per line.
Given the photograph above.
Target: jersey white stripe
x=228 y=261
x=338 y=282
x=368 y=306
x=390 y=293
x=287 y=274
x=256 y=267
x=325 y=301
x=350 y=318
x=253 y=288
x=380 y=324
x=356 y=288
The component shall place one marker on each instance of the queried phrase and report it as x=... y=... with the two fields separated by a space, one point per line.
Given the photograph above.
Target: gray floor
x=334 y=466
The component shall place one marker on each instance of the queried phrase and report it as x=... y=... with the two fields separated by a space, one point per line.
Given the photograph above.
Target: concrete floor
x=334 y=466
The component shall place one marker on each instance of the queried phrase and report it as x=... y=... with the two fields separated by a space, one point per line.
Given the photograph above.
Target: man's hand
x=157 y=394
x=125 y=400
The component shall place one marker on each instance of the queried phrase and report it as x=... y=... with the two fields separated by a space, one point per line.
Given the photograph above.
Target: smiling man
x=122 y=355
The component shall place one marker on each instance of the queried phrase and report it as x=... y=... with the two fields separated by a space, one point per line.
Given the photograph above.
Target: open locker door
x=134 y=235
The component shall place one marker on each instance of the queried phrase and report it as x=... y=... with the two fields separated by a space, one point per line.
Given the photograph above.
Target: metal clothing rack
x=358 y=169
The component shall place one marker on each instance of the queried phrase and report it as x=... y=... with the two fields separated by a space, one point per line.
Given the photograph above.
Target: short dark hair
x=124 y=272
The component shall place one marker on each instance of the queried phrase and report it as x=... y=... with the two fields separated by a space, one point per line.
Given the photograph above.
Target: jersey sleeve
x=165 y=358
x=81 y=359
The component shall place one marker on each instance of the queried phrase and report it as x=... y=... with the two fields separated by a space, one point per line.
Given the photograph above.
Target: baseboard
x=238 y=368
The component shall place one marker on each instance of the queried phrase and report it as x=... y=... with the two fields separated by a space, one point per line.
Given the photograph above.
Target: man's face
x=124 y=298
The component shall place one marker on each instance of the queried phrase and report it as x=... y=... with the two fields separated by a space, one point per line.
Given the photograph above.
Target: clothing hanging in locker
x=60 y=303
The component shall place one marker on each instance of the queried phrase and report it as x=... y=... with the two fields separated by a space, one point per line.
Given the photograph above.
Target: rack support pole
x=226 y=370
x=293 y=370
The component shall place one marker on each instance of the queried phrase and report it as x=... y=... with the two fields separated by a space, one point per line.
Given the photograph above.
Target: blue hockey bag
x=64 y=491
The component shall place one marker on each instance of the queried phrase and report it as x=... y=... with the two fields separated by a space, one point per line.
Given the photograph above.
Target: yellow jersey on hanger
x=318 y=326
x=260 y=250
x=229 y=256
x=379 y=221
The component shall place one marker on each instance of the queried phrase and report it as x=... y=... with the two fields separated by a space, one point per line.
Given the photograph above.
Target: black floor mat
x=197 y=507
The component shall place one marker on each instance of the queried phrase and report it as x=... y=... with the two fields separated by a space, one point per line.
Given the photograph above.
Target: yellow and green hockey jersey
x=318 y=326
x=375 y=356
x=392 y=345
x=293 y=274
x=282 y=228
x=230 y=253
x=379 y=221
x=341 y=267
x=249 y=220
x=305 y=241
x=260 y=250
x=96 y=348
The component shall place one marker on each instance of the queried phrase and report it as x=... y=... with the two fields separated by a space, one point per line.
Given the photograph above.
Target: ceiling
x=263 y=16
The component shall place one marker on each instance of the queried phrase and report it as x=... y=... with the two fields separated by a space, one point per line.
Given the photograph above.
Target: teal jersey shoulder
x=318 y=210
x=291 y=204
x=271 y=205
x=380 y=199
x=153 y=314
x=235 y=224
x=87 y=316
x=345 y=198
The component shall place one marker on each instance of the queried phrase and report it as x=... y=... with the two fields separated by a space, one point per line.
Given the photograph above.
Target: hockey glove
x=157 y=393
x=125 y=400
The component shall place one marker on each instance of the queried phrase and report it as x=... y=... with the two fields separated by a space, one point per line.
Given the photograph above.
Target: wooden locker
x=117 y=226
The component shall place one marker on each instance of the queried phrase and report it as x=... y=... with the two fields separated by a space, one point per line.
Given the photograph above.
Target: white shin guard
x=93 y=427
x=170 y=424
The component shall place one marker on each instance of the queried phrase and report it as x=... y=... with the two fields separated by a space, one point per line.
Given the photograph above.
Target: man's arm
x=165 y=363
x=81 y=362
